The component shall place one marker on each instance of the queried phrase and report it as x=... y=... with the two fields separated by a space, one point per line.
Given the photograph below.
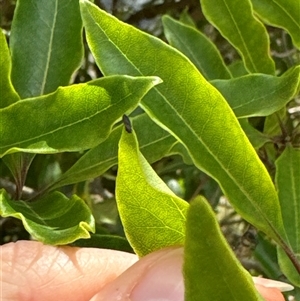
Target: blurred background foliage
x=255 y=250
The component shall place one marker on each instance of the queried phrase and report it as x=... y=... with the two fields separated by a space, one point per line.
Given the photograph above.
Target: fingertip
x=270 y=294
x=271 y=289
x=157 y=276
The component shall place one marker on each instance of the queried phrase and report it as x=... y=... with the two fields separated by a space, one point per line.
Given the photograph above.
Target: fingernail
x=282 y=286
x=163 y=281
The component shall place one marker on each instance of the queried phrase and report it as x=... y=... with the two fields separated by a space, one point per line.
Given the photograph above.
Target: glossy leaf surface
x=73 y=118
x=211 y=270
x=236 y=22
x=54 y=219
x=46 y=47
x=186 y=105
x=197 y=47
x=281 y=13
x=147 y=207
x=47 y=57
x=259 y=94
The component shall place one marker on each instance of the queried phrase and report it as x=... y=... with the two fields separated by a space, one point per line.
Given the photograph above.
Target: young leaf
x=147 y=207
x=73 y=118
x=46 y=45
x=54 y=219
x=8 y=94
x=154 y=144
x=191 y=109
x=197 y=47
x=281 y=13
x=288 y=186
x=211 y=270
x=259 y=94
x=236 y=22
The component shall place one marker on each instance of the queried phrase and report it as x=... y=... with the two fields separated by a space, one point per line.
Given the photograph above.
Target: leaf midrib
x=288 y=14
x=188 y=126
x=50 y=44
x=241 y=37
x=39 y=137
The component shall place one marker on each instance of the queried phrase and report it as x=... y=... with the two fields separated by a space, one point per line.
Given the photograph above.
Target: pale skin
x=33 y=271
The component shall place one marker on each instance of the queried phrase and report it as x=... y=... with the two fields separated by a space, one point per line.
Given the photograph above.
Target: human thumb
x=158 y=276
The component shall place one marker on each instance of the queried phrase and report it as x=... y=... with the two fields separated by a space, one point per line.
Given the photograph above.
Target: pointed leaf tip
x=211 y=271
x=152 y=216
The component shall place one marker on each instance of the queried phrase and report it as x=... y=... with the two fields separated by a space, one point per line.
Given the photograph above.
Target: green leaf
x=44 y=59
x=154 y=144
x=237 y=68
x=272 y=124
x=265 y=252
x=287 y=182
x=54 y=220
x=197 y=47
x=256 y=138
x=8 y=94
x=179 y=149
x=104 y=241
x=281 y=13
x=236 y=22
x=186 y=19
x=287 y=267
x=46 y=45
x=73 y=118
x=18 y=164
x=211 y=270
x=191 y=109
x=147 y=207
x=259 y=94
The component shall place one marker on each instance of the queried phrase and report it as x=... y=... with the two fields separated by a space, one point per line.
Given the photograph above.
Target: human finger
x=158 y=276
x=33 y=271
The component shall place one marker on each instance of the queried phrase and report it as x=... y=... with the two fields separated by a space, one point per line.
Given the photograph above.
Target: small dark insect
x=127 y=124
